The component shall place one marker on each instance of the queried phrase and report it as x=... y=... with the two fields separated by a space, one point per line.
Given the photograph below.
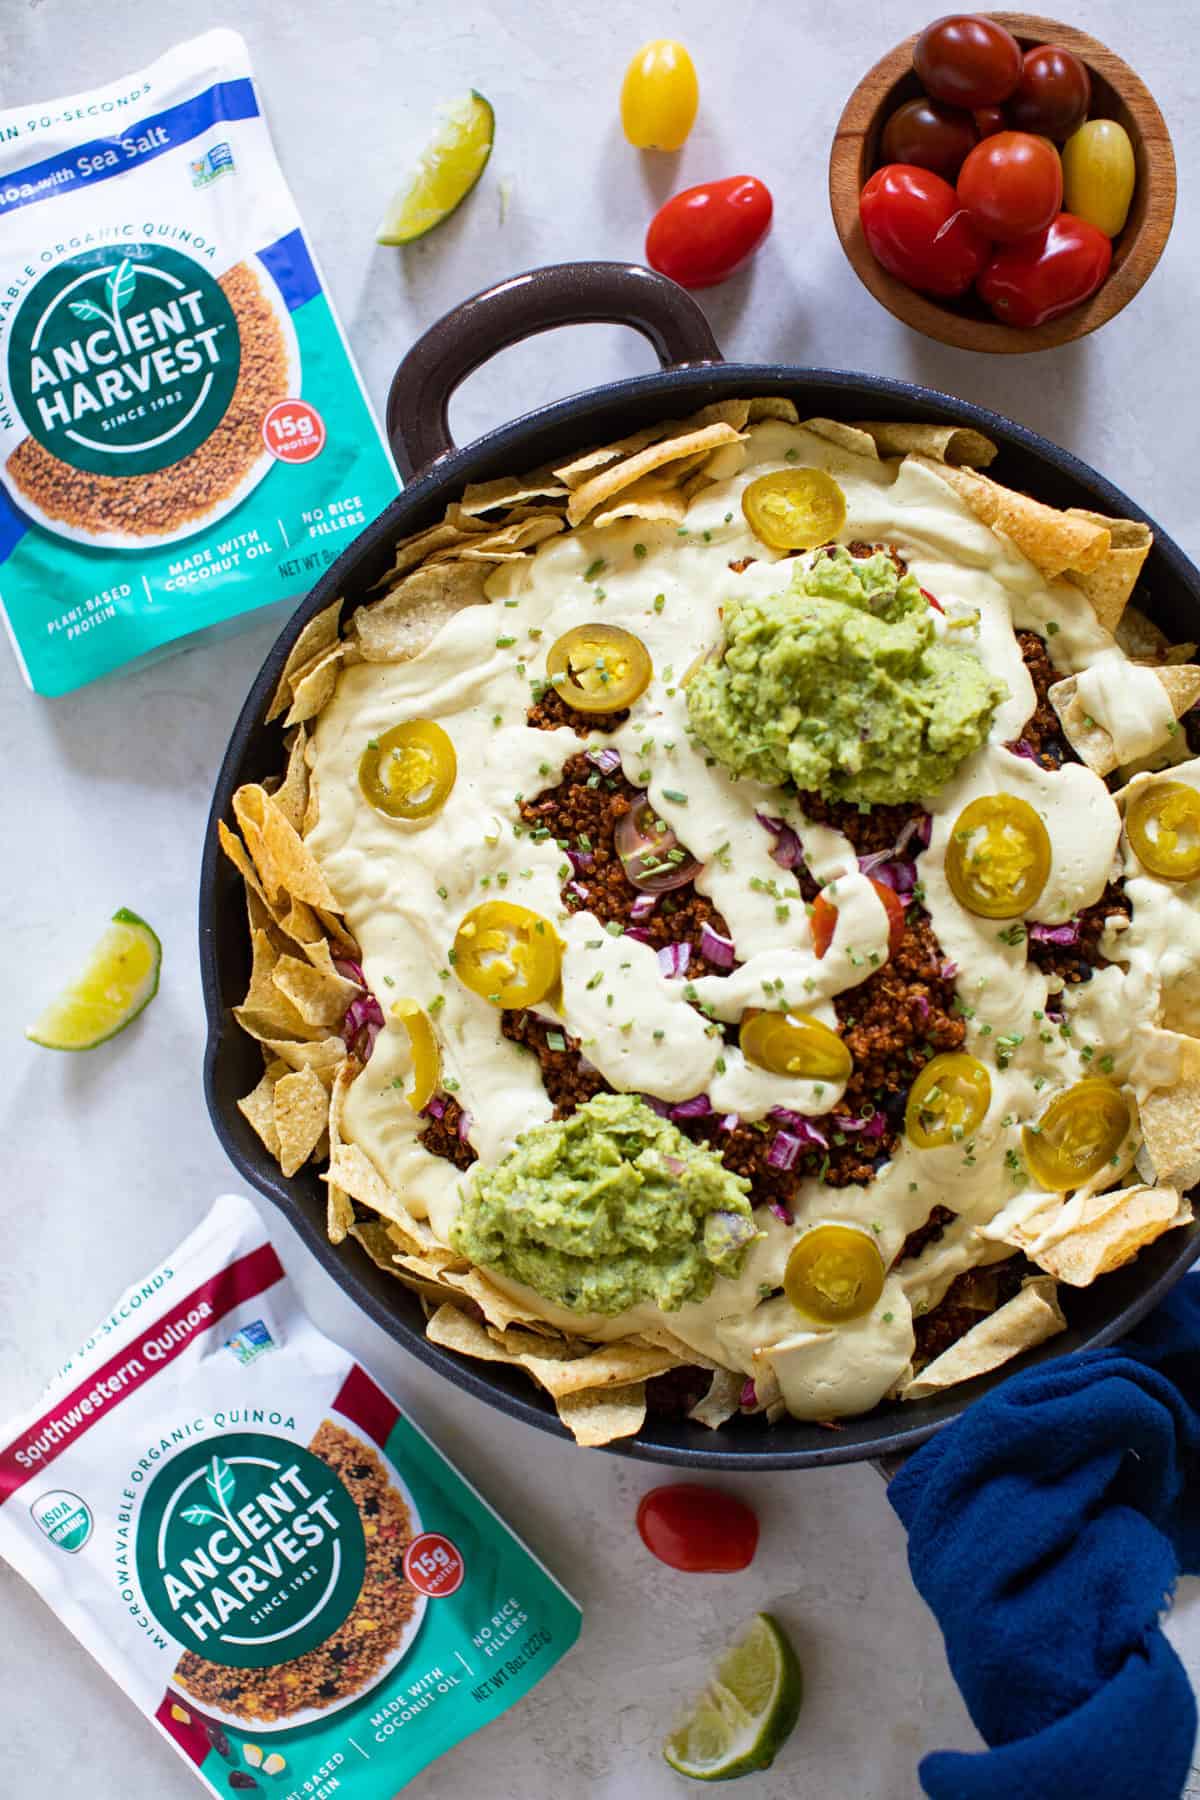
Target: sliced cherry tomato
x=794 y=509
x=968 y=60
x=929 y=135
x=426 y=1057
x=697 y=1529
x=1099 y=173
x=1011 y=184
x=823 y=919
x=1162 y=822
x=834 y=1273
x=1079 y=1132
x=1047 y=274
x=920 y=232
x=409 y=772
x=659 y=96
x=507 y=953
x=998 y=857
x=989 y=120
x=948 y=1100
x=650 y=853
x=794 y=1044
x=599 y=668
x=1053 y=95
x=703 y=234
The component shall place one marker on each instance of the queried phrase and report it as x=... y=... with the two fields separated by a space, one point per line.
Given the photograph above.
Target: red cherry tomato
x=1053 y=94
x=1011 y=184
x=1047 y=274
x=697 y=1528
x=989 y=120
x=967 y=60
x=703 y=234
x=823 y=918
x=919 y=230
x=928 y=135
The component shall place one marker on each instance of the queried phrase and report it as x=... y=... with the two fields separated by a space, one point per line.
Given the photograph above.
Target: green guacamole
x=608 y=1208
x=841 y=685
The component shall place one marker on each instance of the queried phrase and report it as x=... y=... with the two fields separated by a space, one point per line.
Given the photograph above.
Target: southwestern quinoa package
x=183 y=434
x=269 y=1557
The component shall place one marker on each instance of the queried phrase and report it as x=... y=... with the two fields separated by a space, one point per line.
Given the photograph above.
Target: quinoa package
x=183 y=434
x=270 y=1558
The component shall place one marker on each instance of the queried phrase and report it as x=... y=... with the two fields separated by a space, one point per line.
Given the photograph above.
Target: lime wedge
x=119 y=982
x=748 y=1709
x=448 y=168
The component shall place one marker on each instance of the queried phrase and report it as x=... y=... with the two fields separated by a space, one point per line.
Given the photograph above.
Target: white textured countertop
x=109 y=1159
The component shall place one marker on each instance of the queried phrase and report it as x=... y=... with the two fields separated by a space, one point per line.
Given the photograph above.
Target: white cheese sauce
x=404 y=887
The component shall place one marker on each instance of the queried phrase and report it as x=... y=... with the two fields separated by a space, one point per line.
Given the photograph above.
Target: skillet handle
x=584 y=293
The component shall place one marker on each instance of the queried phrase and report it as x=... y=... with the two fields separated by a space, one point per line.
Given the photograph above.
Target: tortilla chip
x=313 y=685
x=258 y=1107
x=509 y=490
x=773 y=406
x=1029 y=1318
x=266 y=1011
x=1109 y=585
x=560 y=1368
x=1092 y=742
x=409 y=616
x=722 y=1401
x=1170 y=1113
x=573 y=474
x=855 y=440
x=1140 y=638
x=1055 y=542
x=301 y=1115
x=291 y=797
x=284 y=861
x=496 y=1306
x=1091 y=1234
x=653 y=497
x=953 y=444
x=598 y=1416
x=319 y=996
x=615 y=480
x=410 y=552
x=319 y=635
x=506 y=543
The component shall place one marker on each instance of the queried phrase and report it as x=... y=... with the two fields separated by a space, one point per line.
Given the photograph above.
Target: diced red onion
x=717 y=950
x=608 y=761
x=785 y=1148
x=656 y=1105
x=580 y=860
x=362 y=1011
x=874 y=1127
x=896 y=873
x=673 y=959
x=726 y=1231
x=465 y=1123
x=364 y=1042
x=749 y=1395
x=868 y=864
x=674 y=1164
x=731 y=1121
x=350 y=971
x=698 y=1107
x=643 y=849
x=787 y=849
x=643 y=908
x=800 y=1126
x=436 y=1108
x=1023 y=747
x=1056 y=934
x=949 y=970
x=577 y=888
x=922 y=1006
x=780 y=1211
x=918 y=829
x=638 y=933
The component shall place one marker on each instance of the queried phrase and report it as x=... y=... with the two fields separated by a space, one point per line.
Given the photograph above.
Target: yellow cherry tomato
x=659 y=96
x=1099 y=173
x=998 y=857
x=948 y=1100
x=1162 y=822
x=599 y=668
x=507 y=953
x=409 y=772
x=794 y=509
x=426 y=1057
x=834 y=1273
x=1078 y=1133
x=795 y=1044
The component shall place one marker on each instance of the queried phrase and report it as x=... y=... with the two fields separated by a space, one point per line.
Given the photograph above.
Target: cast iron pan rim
x=439 y=483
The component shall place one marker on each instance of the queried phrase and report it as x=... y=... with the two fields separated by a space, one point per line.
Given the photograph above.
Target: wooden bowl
x=1117 y=93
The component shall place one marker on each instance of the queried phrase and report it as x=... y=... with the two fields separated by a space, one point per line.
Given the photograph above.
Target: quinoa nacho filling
x=626 y=803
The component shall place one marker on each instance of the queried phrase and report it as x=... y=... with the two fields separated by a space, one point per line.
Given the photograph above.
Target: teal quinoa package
x=183 y=434
x=251 y=1536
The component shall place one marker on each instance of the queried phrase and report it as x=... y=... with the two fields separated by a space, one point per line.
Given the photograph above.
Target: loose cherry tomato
x=834 y=1273
x=599 y=668
x=659 y=96
x=1099 y=174
x=967 y=60
x=989 y=120
x=794 y=1044
x=920 y=232
x=1162 y=822
x=703 y=234
x=1080 y=1131
x=794 y=509
x=998 y=857
x=929 y=135
x=697 y=1529
x=1047 y=274
x=409 y=772
x=1053 y=94
x=508 y=954
x=426 y=1056
x=823 y=919
x=948 y=1100
x=1011 y=185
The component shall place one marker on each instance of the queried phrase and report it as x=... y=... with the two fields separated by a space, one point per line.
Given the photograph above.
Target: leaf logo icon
x=221 y=1482
x=199 y=1515
x=118 y=289
x=86 y=309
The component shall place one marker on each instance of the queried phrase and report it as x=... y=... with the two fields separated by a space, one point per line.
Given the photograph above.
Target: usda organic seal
x=64 y=1517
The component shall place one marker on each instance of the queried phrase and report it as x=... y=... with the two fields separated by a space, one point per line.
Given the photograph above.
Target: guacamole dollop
x=841 y=685
x=608 y=1208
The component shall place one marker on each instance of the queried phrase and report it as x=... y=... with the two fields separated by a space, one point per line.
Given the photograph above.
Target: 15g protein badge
x=183 y=436
x=270 y=1558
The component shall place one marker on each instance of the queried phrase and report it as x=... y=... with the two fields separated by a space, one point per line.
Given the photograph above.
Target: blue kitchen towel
x=1047 y=1527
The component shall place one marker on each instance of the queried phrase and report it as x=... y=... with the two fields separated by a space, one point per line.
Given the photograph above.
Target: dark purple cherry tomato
x=1039 y=277
x=920 y=231
x=703 y=234
x=989 y=120
x=929 y=135
x=698 y=1529
x=1011 y=184
x=1053 y=94
x=967 y=60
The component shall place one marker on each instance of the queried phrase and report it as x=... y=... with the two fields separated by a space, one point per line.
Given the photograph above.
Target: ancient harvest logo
x=123 y=362
x=252 y=1556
